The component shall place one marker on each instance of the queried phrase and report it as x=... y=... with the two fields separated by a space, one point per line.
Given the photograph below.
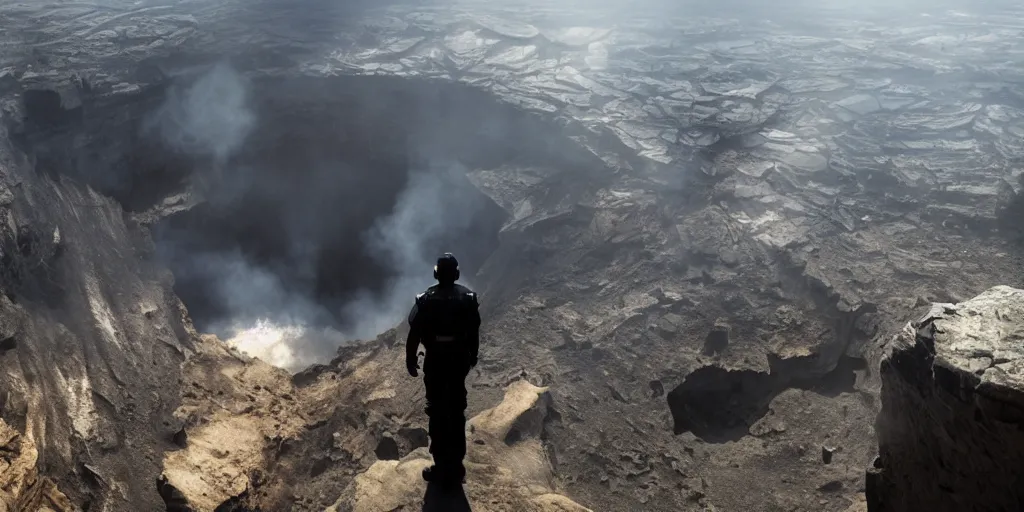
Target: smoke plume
x=253 y=267
x=210 y=118
x=431 y=207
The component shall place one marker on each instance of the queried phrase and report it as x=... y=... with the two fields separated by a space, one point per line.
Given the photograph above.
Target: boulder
x=520 y=415
x=949 y=431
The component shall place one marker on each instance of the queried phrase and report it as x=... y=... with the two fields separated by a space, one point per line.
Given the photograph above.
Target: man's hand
x=412 y=365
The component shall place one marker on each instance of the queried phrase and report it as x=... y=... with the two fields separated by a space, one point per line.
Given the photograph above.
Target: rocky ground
x=751 y=207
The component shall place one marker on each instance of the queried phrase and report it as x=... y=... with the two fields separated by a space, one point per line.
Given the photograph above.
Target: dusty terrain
x=717 y=225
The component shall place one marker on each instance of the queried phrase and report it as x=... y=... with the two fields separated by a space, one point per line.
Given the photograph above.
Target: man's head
x=446 y=271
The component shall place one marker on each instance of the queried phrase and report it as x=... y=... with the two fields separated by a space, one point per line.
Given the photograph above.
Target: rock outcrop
x=236 y=414
x=949 y=433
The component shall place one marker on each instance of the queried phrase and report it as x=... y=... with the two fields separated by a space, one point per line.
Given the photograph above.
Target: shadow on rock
x=439 y=499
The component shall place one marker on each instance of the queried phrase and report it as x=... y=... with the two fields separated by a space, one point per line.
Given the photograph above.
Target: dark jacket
x=446 y=320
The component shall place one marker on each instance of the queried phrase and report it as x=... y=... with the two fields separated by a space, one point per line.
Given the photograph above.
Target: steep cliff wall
x=92 y=336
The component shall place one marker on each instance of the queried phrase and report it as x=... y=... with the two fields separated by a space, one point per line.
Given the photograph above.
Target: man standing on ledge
x=446 y=320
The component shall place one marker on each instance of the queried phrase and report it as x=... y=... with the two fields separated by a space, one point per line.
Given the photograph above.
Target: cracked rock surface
x=809 y=186
x=952 y=405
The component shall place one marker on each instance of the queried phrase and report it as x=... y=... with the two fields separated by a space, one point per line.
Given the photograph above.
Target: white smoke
x=270 y=342
x=278 y=321
x=431 y=205
x=209 y=118
x=428 y=208
x=282 y=335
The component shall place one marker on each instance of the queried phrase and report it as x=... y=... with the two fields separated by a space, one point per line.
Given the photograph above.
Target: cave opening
x=719 y=405
x=310 y=201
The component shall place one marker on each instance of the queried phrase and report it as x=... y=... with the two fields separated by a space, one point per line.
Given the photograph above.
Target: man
x=446 y=320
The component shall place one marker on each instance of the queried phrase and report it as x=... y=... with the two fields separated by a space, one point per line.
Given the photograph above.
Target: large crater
x=317 y=203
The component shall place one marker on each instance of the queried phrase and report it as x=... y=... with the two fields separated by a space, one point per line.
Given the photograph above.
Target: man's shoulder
x=429 y=293
x=437 y=290
x=466 y=292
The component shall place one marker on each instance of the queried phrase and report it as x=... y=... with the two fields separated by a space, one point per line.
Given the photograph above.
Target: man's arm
x=412 y=342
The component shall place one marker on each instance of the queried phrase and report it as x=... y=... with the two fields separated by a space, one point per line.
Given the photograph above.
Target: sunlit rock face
x=21 y=485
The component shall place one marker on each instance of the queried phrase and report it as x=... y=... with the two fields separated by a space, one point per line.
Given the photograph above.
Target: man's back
x=446 y=320
x=446 y=310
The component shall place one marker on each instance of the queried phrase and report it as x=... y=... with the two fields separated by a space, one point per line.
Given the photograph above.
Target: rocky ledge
x=508 y=468
x=949 y=433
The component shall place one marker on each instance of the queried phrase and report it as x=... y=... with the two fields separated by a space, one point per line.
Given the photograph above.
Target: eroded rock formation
x=949 y=432
x=92 y=335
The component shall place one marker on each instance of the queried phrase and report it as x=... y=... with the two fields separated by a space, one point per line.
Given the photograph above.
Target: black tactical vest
x=443 y=316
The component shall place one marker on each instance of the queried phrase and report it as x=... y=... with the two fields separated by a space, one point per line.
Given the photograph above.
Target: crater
x=298 y=207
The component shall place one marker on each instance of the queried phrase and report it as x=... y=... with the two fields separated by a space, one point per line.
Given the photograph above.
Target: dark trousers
x=446 y=410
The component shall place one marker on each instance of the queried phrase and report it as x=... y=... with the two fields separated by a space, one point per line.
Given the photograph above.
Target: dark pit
x=719 y=405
